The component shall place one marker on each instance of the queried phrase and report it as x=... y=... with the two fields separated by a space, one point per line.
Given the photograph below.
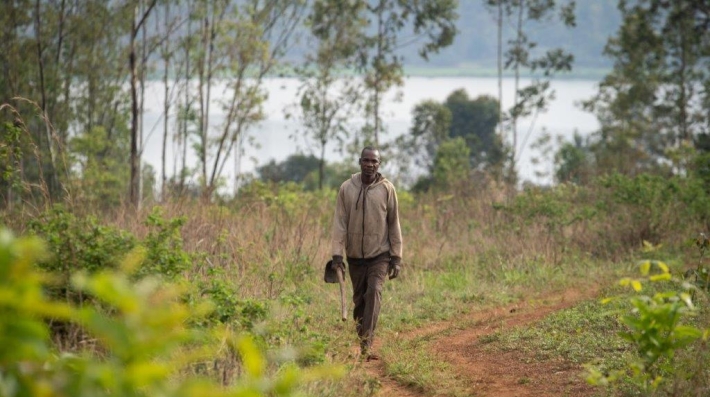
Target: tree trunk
x=501 y=132
x=43 y=92
x=166 y=103
x=518 y=43
x=135 y=166
x=321 y=165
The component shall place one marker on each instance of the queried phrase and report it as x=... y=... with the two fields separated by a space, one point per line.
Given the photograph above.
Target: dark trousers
x=367 y=277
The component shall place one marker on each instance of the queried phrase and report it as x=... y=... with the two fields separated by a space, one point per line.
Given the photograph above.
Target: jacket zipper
x=362 y=242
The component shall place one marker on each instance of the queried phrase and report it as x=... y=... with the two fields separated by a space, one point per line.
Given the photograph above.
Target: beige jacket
x=366 y=222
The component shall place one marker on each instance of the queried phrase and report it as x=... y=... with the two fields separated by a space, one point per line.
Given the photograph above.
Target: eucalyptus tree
x=520 y=56
x=390 y=26
x=654 y=103
x=240 y=44
x=63 y=65
x=140 y=13
x=328 y=97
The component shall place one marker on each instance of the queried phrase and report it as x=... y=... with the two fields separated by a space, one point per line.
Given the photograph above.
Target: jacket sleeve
x=340 y=225
x=394 y=230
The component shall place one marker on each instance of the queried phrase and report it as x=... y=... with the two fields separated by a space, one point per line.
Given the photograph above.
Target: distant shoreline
x=595 y=74
x=588 y=74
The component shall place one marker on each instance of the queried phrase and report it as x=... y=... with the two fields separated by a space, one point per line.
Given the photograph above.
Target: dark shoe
x=372 y=357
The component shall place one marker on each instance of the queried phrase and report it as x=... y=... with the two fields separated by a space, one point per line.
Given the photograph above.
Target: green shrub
x=229 y=308
x=164 y=250
x=78 y=244
x=657 y=325
x=140 y=347
x=84 y=244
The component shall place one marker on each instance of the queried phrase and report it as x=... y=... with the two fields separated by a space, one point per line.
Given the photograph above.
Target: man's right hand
x=338 y=263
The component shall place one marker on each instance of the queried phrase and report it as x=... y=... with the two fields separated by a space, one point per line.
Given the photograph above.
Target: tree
x=137 y=23
x=432 y=23
x=328 y=100
x=473 y=120
x=263 y=30
x=63 y=72
x=654 y=102
x=572 y=161
x=451 y=165
x=521 y=56
x=294 y=169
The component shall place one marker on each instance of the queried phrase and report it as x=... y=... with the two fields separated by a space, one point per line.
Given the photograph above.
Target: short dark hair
x=370 y=148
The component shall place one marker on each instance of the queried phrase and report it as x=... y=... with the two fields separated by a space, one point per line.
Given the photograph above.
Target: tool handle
x=341 y=282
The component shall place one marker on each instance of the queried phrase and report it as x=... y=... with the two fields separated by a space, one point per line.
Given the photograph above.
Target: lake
x=272 y=136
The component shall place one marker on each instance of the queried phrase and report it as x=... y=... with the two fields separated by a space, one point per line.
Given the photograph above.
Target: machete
x=333 y=275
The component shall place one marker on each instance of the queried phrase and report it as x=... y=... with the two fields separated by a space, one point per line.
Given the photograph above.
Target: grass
x=271 y=247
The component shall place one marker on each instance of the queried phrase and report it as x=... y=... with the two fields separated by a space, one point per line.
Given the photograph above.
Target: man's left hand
x=394 y=266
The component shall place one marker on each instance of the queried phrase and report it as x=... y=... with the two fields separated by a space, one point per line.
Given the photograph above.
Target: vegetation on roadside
x=108 y=293
x=258 y=259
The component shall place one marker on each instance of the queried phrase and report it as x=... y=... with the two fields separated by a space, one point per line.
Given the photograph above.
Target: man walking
x=366 y=230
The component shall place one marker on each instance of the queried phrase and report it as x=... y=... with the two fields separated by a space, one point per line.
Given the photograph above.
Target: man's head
x=369 y=161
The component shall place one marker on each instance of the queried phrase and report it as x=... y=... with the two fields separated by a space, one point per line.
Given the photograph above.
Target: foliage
x=657 y=326
x=228 y=307
x=573 y=162
x=651 y=203
x=84 y=244
x=164 y=251
x=101 y=172
x=380 y=28
x=521 y=55
x=474 y=120
x=294 y=168
x=651 y=105
x=79 y=244
x=10 y=157
x=451 y=165
x=328 y=101
x=140 y=345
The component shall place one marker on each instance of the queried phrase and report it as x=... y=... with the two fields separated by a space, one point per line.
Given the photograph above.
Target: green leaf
x=645 y=266
x=254 y=362
x=660 y=277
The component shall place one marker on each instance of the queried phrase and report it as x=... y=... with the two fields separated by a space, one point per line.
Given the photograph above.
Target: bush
x=84 y=244
x=137 y=348
x=658 y=325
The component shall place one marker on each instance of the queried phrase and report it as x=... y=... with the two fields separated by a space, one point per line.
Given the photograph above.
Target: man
x=366 y=230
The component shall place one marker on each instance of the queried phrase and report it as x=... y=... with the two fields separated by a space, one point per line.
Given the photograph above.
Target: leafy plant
x=656 y=325
x=164 y=250
x=135 y=349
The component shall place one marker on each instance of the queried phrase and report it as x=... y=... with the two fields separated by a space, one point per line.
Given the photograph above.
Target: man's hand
x=338 y=263
x=394 y=266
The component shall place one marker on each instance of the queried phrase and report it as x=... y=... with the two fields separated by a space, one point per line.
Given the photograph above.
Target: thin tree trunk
x=43 y=92
x=166 y=103
x=380 y=35
x=141 y=113
x=212 y=34
x=321 y=164
x=134 y=193
x=187 y=100
x=500 y=70
x=516 y=88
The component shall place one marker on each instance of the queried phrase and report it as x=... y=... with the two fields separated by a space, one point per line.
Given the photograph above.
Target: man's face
x=370 y=162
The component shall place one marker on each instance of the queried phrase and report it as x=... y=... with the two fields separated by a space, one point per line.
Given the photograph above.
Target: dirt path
x=494 y=373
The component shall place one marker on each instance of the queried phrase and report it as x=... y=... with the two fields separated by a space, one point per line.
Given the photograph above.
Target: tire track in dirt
x=496 y=374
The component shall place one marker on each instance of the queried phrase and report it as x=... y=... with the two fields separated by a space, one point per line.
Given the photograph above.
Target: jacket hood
x=355 y=178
